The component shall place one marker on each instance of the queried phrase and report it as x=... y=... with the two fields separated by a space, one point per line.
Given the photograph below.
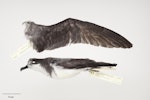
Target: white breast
x=37 y=67
x=61 y=73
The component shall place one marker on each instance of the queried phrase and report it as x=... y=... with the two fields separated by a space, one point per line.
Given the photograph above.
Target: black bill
x=22 y=68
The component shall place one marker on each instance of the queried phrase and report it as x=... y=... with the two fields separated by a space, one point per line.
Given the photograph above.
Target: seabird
x=60 y=68
x=72 y=31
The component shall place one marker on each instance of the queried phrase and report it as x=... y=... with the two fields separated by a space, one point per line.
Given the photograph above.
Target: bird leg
x=92 y=71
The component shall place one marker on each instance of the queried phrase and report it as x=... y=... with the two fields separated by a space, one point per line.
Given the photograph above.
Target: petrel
x=71 y=31
x=64 y=67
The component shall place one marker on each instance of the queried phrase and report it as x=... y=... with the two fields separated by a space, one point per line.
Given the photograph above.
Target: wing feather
x=82 y=63
x=99 y=36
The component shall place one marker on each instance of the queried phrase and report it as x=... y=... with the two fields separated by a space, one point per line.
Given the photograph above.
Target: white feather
x=37 y=67
x=61 y=73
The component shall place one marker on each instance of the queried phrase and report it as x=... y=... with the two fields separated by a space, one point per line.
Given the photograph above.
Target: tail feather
x=105 y=64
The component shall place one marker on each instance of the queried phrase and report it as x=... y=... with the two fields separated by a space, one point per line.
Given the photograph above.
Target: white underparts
x=37 y=67
x=61 y=73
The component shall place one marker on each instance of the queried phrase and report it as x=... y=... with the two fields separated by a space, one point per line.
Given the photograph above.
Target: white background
x=128 y=18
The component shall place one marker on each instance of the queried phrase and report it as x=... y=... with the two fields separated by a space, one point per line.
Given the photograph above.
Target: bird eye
x=34 y=62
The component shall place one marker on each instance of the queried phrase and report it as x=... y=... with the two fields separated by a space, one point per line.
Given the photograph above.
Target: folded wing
x=83 y=63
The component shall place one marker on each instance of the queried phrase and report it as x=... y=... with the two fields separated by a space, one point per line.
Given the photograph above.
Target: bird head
x=32 y=63
x=35 y=64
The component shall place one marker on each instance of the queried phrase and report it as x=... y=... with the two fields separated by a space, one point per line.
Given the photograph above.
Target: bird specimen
x=72 y=31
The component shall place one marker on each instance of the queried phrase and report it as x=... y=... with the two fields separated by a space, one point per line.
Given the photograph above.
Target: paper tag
x=21 y=50
x=110 y=78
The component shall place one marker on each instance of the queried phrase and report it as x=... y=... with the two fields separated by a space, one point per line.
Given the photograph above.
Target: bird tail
x=103 y=65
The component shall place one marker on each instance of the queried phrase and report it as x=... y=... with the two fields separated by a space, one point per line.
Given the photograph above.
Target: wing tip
x=129 y=45
x=124 y=45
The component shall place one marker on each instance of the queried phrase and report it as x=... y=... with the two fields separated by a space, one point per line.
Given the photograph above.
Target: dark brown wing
x=89 y=33
x=76 y=31
x=82 y=63
x=73 y=31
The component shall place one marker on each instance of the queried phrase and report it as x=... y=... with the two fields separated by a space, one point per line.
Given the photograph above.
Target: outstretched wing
x=76 y=31
x=73 y=31
x=96 y=35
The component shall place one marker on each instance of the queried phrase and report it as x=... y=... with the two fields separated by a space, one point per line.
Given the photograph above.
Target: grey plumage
x=51 y=65
x=72 y=31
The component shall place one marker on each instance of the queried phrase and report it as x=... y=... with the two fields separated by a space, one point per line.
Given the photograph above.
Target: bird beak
x=22 y=68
